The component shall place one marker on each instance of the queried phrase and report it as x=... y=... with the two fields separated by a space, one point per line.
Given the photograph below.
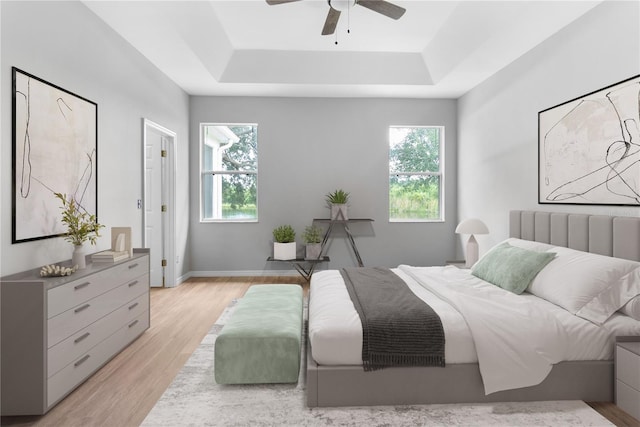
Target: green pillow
x=510 y=267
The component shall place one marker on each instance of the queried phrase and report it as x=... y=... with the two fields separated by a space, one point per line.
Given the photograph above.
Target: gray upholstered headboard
x=617 y=236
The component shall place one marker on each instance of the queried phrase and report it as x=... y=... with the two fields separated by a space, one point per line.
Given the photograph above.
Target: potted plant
x=284 y=243
x=81 y=227
x=337 y=201
x=312 y=236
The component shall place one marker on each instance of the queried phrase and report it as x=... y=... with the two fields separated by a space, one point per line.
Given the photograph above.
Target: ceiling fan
x=336 y=6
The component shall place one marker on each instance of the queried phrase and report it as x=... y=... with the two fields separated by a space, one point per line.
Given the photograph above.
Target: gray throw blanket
x=398 y=328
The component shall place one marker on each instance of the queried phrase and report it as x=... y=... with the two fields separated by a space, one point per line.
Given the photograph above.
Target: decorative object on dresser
x=55 y=143
x=120 y=246
x=628 y=374
x=588 y=151
x=57 y=331
x=284 y=243
x=57 y=270
x=337 y=202
x=312 y=237
x=472 y=226
x=81 y=227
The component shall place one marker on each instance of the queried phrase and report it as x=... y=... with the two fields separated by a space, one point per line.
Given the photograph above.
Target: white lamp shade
x=472 y=226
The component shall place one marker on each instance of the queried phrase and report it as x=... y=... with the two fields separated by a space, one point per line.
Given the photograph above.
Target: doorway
x=158 y=203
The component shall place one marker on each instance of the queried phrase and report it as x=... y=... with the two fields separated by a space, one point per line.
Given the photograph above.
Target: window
x=415 y=173
x=229 y=172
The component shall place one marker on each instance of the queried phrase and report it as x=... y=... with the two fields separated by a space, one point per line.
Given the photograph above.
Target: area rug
x=194 y=399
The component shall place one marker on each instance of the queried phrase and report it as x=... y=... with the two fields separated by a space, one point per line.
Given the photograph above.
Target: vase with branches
x=81 y=227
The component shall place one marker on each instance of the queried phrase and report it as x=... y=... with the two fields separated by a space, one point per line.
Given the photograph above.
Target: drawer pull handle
x=134 y=323
x=81 y=337
x=84 y=307
x=133 y=265
x=81 y=285
x=133 y=283
x=81 y=361
x=132 y=306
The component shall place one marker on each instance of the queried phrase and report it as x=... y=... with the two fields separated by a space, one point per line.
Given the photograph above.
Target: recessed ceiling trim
x=359 y=68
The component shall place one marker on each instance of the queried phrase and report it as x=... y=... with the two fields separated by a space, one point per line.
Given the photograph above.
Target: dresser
x=57 y=331
x=628 y=375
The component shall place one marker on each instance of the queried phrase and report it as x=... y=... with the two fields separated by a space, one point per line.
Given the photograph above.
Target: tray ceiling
x=246 y=47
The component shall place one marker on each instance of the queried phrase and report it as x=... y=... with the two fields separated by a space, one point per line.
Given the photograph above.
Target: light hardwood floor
x=126 y=388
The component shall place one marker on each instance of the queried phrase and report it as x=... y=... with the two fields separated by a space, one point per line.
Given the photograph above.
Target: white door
x=158 y=176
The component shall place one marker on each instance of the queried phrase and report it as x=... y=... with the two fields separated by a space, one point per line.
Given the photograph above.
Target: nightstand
x=627 y=360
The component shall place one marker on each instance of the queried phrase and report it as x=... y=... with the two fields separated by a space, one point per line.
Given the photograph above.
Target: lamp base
x=472 y=252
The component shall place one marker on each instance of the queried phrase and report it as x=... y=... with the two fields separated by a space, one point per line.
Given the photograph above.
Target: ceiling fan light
x=341 y=5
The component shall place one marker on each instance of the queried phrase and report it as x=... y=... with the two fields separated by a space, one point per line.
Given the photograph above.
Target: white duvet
x=516 y=339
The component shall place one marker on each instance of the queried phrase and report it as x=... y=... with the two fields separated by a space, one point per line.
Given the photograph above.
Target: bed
x=576 y=364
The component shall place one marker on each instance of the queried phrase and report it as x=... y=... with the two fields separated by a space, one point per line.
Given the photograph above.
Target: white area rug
x=194 y=399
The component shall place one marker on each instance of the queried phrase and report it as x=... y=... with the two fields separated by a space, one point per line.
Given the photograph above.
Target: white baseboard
x=236 y=273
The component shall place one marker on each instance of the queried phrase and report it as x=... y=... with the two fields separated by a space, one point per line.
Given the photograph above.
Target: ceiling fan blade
x=383 y=7
x=274 y=2
x=331 y=22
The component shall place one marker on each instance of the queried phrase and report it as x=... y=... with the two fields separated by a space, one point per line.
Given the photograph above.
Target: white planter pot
x=78 y=257
x=336 y=209
x=284 y=251
x=313 y=250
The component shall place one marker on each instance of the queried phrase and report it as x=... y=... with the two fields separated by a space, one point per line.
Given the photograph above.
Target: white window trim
x=203 y=173
x=440 y=173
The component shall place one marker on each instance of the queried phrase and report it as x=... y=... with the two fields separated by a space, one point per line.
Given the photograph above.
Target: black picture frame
x=589 y=148
x=55 y=150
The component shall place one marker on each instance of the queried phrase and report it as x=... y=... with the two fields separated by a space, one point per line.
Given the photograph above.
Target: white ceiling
x=246 y=47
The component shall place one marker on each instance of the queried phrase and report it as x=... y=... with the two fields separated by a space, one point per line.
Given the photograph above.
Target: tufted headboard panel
x=617 y=236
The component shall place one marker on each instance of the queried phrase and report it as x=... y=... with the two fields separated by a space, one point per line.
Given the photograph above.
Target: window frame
x=213 y=172
x=440 y=174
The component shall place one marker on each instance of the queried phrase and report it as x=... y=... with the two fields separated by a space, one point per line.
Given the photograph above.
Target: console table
x=345 y=225
x=304 y=266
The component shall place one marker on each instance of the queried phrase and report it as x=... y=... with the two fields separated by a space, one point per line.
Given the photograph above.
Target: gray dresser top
x=30 y=276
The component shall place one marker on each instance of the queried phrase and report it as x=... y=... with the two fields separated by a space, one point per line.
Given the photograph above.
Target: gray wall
x=307 y=148
x=498 y=140
x=80 y=53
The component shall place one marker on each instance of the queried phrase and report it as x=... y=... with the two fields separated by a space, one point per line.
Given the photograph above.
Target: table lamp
x=472 y=226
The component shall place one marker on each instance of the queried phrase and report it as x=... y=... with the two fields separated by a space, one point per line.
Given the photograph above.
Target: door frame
x=169 y=225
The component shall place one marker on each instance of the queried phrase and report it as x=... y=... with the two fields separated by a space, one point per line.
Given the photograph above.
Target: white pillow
x=574 y=278
x=528 y=244
x=632 y=308
x=612 y=298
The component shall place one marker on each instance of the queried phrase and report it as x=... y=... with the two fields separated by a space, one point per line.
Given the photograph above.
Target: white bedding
x=511 y=353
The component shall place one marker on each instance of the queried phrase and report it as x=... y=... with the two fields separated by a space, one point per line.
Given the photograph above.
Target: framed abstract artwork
x=55 y=145
x=589 y=148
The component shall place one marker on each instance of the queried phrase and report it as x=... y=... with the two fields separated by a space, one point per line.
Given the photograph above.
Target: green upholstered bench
x=261 y=341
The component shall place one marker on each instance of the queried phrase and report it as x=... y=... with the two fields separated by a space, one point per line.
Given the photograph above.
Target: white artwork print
x=590 y=148
x=55 y=151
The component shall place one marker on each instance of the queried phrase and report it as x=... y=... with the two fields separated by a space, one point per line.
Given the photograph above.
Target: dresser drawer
x=74 y=293
x=628 y=367
x=67 y=351
x=73 y=374
x=69 y=295
x=628 y=399
x=71 y=321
